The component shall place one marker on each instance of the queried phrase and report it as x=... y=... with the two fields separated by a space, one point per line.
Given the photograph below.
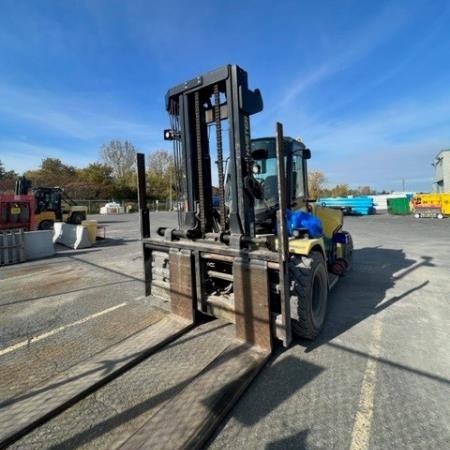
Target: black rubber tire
x=46 y=225
x=308 y=289
x=77 y=217
x=348 y=254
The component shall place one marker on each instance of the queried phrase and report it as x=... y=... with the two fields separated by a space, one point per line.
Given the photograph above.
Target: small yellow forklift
x=52 y=205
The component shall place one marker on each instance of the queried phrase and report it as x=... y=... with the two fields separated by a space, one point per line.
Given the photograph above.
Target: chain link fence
x=129 y=206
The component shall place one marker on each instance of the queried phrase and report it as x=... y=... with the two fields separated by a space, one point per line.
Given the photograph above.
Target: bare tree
x=7 y=179
x=161 y=174
x=160 y=162
x=341 y=190
x=316 y=183
x=120 y=156
x=365 y=190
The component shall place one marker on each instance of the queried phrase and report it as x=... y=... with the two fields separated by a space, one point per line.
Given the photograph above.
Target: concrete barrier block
x=39 y=244
x=72 y=236
x=57 y=231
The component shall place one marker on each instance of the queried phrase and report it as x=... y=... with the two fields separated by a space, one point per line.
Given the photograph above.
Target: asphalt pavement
x=378 y=376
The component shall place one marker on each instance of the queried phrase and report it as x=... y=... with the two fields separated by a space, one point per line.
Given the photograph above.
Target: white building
x=441 y=165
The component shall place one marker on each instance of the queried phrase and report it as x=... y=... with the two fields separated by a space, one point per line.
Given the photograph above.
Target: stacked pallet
x=12 y=247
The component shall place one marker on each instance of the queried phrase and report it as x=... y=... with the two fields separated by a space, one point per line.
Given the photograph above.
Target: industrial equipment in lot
x=261 y=259
x=52 y=205
x=264 y=258
x=431 y=205
x=17 y=212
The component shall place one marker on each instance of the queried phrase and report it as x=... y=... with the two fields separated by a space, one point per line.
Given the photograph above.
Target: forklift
x=52 y=205
x=238 y=273
x=263 y=257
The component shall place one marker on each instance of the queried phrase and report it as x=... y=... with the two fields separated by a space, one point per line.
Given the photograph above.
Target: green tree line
x=112 y=177
x=318 y=187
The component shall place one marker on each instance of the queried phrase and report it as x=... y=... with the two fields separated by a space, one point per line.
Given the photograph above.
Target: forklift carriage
x=214 y=262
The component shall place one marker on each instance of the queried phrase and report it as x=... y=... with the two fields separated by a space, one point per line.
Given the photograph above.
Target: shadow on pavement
x=281 y=380
x=105 y=426
x=298 y=372
x=110 y=242
x=296 y=441
x=72 y=291
x=62 y=251
x=107 y=269
x=362 y=292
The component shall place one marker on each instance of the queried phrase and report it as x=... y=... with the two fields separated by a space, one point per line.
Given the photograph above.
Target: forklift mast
x=195 y=106
x=214 y=263
x=23 y=186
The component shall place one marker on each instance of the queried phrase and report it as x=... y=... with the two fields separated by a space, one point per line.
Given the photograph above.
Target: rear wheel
x=440 y=216
x=417 y=215
x=46 y=225
x=77 y=217
x=308 y=294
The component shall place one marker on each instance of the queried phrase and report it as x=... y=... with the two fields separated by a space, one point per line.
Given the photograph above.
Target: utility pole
x=170 y=189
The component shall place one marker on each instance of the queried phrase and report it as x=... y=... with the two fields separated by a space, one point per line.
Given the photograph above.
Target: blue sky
x=365 y=84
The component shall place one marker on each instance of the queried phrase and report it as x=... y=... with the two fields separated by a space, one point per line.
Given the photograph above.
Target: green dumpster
x=399 y=206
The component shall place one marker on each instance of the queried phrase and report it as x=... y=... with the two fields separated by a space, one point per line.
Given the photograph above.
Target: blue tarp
x=302 y=219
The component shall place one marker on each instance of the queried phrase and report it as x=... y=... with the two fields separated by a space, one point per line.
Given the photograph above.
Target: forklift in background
x=51 y=205
x=266 y=257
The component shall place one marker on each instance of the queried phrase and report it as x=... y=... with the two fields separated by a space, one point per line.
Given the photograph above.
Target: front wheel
x=308 y=290
x=46 y=225
x=77 y=218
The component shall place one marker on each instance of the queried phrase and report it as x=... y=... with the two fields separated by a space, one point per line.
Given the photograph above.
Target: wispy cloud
x=20 y=155
x=357 y=45
x=69 y=127
x=380 y=148
x=397 y=123
x=78 y=117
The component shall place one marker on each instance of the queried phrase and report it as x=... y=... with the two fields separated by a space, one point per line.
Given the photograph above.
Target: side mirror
x=260 y=153
x=307 y=153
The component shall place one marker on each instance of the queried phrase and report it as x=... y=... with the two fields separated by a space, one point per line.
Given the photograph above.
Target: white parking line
x=57 y=330
x=364 y=415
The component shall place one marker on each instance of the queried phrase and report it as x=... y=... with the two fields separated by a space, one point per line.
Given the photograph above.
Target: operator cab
x=48 y=199
x=265 y=172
